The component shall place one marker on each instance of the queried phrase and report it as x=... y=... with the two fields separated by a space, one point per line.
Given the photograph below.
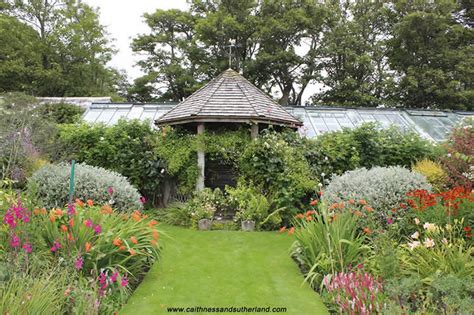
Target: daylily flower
x=429 y=226
x=117 y=242
x=414 y=244
x=134 y=240
x=291 y=230
x=88 y=223
x=132 y=252
x=79 y=203
x=417 y=221
x=27 y=247
x=90 y=203
x=152 y=223
x=429 y=243
x=444 y=241
x=79 y=263
x=313 y=202
x=87 y=247
x=415 y=235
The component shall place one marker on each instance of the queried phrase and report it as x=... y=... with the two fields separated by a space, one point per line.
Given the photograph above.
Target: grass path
x=222 y=269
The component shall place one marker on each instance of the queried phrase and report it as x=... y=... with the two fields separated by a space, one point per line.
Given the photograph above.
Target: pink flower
x=103 y=283
x=71 y=210
x=390 y=221
x=110 y=190
x=124 y=282
x=97 y=229
x=56 y=246
x=142 y=200
x=79 y=263
x=114 y=276
x=15 y=241
x=27 y=247
x=88 y=223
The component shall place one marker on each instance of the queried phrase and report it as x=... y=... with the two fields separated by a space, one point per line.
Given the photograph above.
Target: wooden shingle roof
x=228 y=98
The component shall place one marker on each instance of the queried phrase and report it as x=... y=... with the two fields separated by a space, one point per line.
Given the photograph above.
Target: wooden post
x=201 y=161
x=254 y=131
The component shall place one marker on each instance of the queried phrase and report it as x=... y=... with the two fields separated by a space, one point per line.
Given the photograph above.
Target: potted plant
x=203 y=215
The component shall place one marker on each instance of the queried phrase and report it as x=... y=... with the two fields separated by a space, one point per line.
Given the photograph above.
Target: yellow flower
x=413 y=245
x=415 y=235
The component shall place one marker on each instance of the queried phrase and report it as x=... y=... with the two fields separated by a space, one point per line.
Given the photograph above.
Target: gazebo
x=226 y=102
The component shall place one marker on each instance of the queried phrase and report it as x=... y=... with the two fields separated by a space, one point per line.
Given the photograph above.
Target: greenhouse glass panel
x=92 y=114
x=120 y=113
x=106 y=115
x=135 y=112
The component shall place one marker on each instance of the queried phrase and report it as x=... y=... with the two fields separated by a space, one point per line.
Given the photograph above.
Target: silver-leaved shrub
x=384 y=188
x=51 y=185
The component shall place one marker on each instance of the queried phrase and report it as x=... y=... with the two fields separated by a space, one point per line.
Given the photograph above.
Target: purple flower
x=71 y=210
x=390 y=221
x=27 y=247
x=15 y=241
x=79 y=263
x=97 y=229
x=142 y=200
x=9 y=219
x=124 y=281
x=110 y=190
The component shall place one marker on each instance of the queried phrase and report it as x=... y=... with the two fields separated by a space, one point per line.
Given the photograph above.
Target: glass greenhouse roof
x=433 y=125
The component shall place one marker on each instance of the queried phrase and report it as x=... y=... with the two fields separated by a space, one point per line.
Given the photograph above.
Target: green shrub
x=365 y=146
x=51 y=184
x=280 y=170
x=124 y=148
x=61 y=113
x=205 y=203
x=175 y=214
x=383 y=188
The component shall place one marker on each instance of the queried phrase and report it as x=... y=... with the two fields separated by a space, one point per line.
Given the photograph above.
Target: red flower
x=313 y=202
x=467 y=228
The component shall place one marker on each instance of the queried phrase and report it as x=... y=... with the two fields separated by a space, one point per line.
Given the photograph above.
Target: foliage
x=327 y=243
x=250 y=205
x=60 y=49
x=205 y=203
x=175 y=214
x=52 y=186
x=62 y=113
x=26 y=139
x=459 y=160
x=365 y=146
x=433 y=172
x=355 y=292
x=383 y=188
x=280 y=170
x=125 y=148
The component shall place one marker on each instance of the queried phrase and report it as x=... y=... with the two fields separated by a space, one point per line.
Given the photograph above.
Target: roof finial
x=231 y=44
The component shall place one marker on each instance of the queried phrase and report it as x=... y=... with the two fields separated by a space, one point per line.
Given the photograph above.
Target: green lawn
x=224 y=269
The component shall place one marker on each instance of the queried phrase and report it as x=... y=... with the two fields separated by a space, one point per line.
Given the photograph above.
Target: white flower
x=102 y=138
x=449 y=227
x=429 y=243
x=320 y=185
x=415 y=235
x=417 y=221
x=326 y=158
x=444 y=241
x=322 y=174
x=449 y=154
x=429 y=226
x=162 y=170
x=413 y=245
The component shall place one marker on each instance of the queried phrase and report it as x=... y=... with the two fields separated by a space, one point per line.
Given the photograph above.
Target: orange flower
x=342 y=205
x=282 y=229
x=351 y=201
x=291 y=230
x=153 y=242
x=309 y=218
x=88 y=247
x=106 y=209
x=299 y=216
x=69 y=237
x=333 y=206
x=122 y=248
x=367 y=230
x=152 y=223
x=310 y=212
x=136 y=215
x=71 y=222
x=358 y=213
x=58 y=212
x=90 y=203
x=313 y=202
x=134 y=240
x=36 y=211
x=79 y=203
x=369 y=209
x=43 y=211
x=52 y=218
x=132 y=252
x=64 y=228
x=117 y=242
x=362 y=202
x=155 y=235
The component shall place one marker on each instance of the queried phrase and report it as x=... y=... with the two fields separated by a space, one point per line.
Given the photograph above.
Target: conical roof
x=228 y=98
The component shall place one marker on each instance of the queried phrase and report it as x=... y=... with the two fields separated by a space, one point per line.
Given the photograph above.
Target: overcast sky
x=124 y=20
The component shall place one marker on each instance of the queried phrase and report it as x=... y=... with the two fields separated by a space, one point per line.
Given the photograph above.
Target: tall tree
x=352 y=55
x=433 y=53
x=72 y=46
